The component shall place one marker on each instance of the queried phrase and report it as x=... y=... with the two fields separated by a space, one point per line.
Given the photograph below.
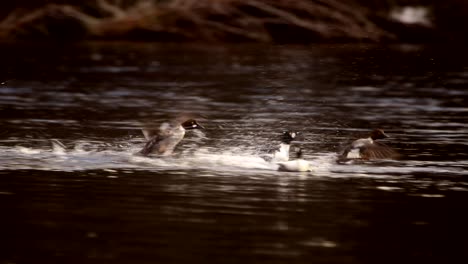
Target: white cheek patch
x=194 y=125
x=293 y=135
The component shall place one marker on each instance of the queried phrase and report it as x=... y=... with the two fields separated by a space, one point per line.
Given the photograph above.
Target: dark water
x=215 y=200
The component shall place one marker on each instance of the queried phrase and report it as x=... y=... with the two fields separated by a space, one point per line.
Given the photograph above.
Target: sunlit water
x=216 y=200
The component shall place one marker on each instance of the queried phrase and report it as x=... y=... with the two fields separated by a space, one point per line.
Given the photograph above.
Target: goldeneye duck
x=281 y=153
x=369 y=148
x=164 y=141
x=295 y=165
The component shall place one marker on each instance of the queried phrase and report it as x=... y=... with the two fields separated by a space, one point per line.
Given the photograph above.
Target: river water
x=215 y=200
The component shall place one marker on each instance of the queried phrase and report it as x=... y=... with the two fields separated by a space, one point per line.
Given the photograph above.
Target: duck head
x=288 y=136
x=378 y=134
x=192 y=124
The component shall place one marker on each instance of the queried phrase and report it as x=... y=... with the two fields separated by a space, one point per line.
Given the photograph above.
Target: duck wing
x=154 y=138
x=378 y=150
x=153 y=146
x=344 y=153
x=149 y=133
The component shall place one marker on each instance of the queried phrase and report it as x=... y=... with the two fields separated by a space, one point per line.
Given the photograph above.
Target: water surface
x=215 y=200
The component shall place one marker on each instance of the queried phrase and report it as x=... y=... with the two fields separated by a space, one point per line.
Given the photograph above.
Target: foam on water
x=96 y=155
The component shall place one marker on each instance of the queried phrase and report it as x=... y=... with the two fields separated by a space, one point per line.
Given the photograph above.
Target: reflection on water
x=216 y=200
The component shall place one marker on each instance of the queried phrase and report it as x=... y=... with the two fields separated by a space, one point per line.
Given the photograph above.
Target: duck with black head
x=281 y=153
x=369 y=148
x=163 y=141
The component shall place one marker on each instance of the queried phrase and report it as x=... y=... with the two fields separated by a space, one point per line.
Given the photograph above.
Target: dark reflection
x=215 y=200
x=145 y=217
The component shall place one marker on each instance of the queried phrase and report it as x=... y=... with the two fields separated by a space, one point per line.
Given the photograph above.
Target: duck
x=369 y=148
x=296 y=165
x=281 y=153
x=163 y=141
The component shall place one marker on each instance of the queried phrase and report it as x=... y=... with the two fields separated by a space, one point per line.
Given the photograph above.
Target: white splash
x=25 y=150
x=94 y=155
x=414 y=15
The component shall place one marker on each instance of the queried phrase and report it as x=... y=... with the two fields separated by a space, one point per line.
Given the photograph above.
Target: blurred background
x=280 y=21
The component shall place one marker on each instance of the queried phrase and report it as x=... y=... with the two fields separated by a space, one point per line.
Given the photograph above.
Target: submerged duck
x=164 y=141
x=295 y=165
x=282 y=152
x=369 y=148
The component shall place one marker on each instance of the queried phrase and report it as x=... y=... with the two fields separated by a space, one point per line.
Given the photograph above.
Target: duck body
x=164 y=141
x=369 y=148
x=297 y=165
x=357 y=148
x=281 y=154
